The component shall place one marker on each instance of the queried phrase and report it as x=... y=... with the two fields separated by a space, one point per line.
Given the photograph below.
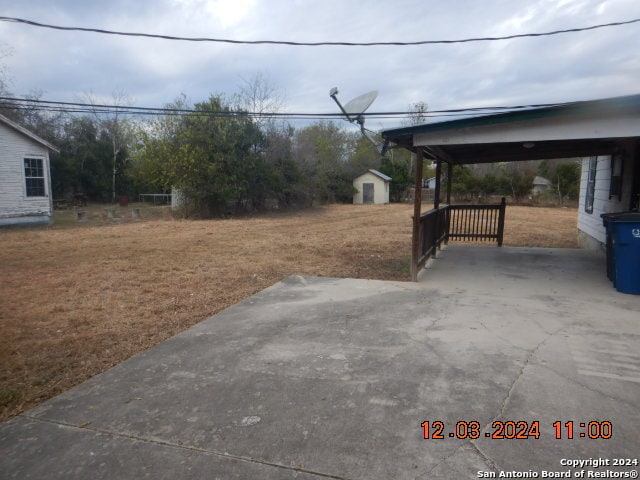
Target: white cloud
x=229 y=12
x=575 y=66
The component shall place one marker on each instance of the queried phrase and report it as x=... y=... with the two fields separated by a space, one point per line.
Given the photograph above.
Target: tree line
x=516 y=180
x=220 y=163
x=232 y=161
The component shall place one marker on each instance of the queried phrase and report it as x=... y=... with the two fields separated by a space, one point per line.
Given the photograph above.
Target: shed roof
x=379 y=174
x=28 y=133
x=558 y=131
x=541 y=181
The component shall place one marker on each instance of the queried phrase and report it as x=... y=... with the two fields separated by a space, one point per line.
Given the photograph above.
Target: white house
x=372 y=187
x=609 y=184
x=25 y=179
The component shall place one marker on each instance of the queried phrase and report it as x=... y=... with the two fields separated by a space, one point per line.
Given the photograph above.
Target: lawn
x=77 y=298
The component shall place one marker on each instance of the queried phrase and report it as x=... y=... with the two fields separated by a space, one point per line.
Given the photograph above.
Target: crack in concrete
x=487 y=459
x=499 y=337
x=524 y=366
x=535 y=320
x=444 y=459
x=593 y=390
x=190 y=448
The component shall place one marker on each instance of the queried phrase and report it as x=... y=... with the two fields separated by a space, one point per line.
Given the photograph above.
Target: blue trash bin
x=625 y=232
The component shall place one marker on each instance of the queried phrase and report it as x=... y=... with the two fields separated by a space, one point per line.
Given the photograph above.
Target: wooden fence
x=433 y=231
x=459 y=222
x=476 y=222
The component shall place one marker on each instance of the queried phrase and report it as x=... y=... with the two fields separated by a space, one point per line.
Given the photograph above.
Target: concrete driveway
x=333 y=378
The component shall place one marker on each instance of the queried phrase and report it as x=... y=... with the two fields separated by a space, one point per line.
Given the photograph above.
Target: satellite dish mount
x=355 y=109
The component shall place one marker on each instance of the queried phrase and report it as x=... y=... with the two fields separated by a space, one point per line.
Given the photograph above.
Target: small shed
x=540 y=184
x=25 y=179
x=429 y=182
x=372 y=187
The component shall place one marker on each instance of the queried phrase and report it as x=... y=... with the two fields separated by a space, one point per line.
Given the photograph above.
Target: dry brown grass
x=75 y=301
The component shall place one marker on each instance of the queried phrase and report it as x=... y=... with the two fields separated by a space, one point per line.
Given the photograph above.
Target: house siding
x=15 y=206
x=380 y=189
x=592 y=232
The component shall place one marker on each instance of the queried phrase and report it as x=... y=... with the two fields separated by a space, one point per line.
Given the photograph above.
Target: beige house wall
x=380 y=189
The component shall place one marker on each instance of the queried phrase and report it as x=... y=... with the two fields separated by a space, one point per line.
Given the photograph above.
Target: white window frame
x=43 y=160
x=590 y=190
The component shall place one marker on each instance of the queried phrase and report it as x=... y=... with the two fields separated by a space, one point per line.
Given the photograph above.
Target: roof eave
x=404 y=136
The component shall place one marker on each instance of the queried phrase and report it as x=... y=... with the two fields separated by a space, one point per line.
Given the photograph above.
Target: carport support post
x=448 y=212
x=436 y=205
x=503 y=210
x=436 y=193
x=417 y=204
x=449 y=181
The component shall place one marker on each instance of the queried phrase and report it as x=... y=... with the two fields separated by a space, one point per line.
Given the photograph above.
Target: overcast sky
x=575 y=66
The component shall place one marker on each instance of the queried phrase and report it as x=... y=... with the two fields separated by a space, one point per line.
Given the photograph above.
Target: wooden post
x=436 y=193
x=449 y=181
x=417 y=211
x=503 y=208
x=448 y=212
x=436 y=205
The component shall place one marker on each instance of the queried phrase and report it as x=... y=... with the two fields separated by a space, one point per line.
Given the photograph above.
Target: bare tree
x=5 y=51
x=258 y=94
x=5 y=81
x=116 y=124
x=417 y=114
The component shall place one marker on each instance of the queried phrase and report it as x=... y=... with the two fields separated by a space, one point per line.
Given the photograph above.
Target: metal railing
x=158 y=198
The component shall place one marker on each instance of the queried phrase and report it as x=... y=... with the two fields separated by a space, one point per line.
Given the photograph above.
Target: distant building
x=429 y=182
x=372 y=187
x=25 y=178
x=540 y=184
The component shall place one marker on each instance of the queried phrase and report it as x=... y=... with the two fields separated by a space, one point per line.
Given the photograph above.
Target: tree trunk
x=113 y=180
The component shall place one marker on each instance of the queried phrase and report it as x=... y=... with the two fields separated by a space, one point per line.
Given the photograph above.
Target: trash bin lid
x=627 y=217
x=607 y=218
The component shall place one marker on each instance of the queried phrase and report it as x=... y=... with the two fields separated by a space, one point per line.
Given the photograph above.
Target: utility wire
x=313 y=44
x=78 y=107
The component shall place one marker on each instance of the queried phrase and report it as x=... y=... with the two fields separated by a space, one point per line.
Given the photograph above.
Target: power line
x=79 y=107
x=314 y=44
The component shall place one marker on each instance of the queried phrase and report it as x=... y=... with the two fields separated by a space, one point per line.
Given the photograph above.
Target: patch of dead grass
x=77 y=300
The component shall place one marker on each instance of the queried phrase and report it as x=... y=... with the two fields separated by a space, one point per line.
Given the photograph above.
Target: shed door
x=367 y=192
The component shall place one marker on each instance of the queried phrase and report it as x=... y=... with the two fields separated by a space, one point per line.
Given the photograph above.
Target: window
x=34 y=177
x=591 y=185
x=615 y=187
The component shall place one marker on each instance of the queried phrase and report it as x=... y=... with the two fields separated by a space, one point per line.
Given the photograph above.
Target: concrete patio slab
x=333 y=378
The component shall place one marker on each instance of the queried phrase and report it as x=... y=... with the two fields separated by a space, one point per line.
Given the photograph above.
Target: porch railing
x=476 y=222
x=433 y=231
x=459 y=222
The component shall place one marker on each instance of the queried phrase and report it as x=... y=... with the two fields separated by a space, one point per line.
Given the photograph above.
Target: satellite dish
x=359 y=105
x=354 y=109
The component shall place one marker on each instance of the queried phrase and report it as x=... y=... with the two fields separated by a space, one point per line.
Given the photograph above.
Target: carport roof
x=576 y=129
